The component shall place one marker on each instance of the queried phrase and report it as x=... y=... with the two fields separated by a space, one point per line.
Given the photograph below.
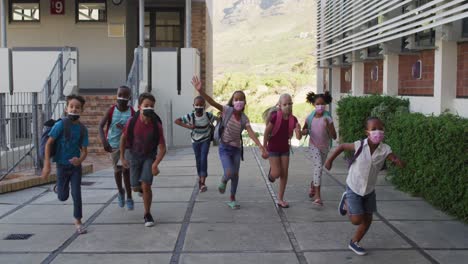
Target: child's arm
x=181 y=123
x=298 y=132
x=255 y=139
x=83 y=154
x=339 y=149
x=104 y=141
x=198 y=86
x=305 y=129
x=159 y=157
x=48 y=147
x=331 y=129
x=123 y=143
x=395 y=160
x=266 y=133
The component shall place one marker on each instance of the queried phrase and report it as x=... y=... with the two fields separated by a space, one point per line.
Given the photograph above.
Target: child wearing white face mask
x=319 y=126
x=280 y=126
x=359 y=199
x=200 y=123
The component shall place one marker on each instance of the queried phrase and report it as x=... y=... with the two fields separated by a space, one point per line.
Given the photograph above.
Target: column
x=390 y=74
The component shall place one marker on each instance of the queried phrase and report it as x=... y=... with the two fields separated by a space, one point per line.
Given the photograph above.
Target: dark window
x=465 y=28
x=91 y=11
x=164 y=28
x=373 y=51
x=24 y=11
x=21 y=129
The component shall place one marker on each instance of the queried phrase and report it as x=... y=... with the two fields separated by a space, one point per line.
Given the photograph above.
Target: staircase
x=96 y=107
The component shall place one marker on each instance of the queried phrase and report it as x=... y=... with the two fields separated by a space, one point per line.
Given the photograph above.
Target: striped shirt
x=202 y=124
x=232 y=131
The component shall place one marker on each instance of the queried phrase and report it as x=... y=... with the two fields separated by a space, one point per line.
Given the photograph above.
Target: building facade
x=417 y=49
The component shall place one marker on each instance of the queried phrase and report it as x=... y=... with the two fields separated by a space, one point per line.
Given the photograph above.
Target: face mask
x=239 y=105
x=319 y=108
x=286 y=109
x=73 y=117
x=199 y=109
x=376 y=136
x=148 y=111
x=122 y=102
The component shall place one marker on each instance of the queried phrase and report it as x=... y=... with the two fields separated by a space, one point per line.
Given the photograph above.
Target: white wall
x=102 y=58
x=4 y=70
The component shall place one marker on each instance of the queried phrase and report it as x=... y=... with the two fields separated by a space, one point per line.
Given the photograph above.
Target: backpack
x=131 y=126
x=67 y=123
x=110 y=113
x=279 y=120
x=210 y=124
x=356 y=154
x=309 y=122
x=219 y=129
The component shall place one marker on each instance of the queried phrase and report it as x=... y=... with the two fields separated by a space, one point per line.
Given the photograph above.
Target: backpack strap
x=82 y=134
x=356 y=154
x=279 y=121
x=67 y=123
x=110 y=114
x=156 y=136
x=131 y=127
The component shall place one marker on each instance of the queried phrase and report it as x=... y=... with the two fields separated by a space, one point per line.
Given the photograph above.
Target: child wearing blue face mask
x=359 y=199
x=200 y=123
x=319 y=126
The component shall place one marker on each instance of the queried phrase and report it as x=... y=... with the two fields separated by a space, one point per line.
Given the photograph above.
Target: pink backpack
x=279 y=120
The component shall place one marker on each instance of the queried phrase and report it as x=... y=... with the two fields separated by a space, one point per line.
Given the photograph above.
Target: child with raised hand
x=281 y=124
x=114 y=120
x=230 y=147
x=359 y=199
x=143 y=138
x=70 y=139
x=319 y=126
x=200 y=123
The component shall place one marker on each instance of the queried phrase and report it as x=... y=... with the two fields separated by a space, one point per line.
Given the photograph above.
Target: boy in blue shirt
x=70 y=139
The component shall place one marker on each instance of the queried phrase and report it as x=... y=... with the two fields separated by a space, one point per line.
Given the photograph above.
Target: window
x=416 y=70
x=373 y=51
x=465 y=28
x=91 y=11
x=24 y=11
x=164 y=28
x=375 y=73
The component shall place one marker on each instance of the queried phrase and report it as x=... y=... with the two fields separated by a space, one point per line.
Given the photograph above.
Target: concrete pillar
x=357 y=78
x=445 y=75
x=188 y=23
x=141 y=22
x=3 y=23
x=390 y=74
x=320 y=80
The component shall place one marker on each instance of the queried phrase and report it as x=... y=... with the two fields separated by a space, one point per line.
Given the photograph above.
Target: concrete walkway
x=200 y=228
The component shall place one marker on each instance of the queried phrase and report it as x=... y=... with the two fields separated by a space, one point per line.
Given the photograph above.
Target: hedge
x=434 y=148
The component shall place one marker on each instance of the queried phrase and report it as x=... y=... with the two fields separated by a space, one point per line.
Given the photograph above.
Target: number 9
x=59 y=7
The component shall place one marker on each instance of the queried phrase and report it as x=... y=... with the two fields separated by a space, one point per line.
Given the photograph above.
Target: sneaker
x=121 y=199
x=149 y=221
x=341 y=206
x=354 y=246
x=222 y=187
x=233 y=205
x=130 y=204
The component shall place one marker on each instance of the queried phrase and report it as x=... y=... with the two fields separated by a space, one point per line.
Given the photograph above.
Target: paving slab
x=336 y=235
x=373 y=256
x=449 y=256
x=244 y=194
x=20 y=197
x=235 y=236
x=22 y=258
x=251 y=212
x=172 y=194
x=390 y=193
x=88 y=197
x=48 y=214
x=46 y=238
x=410 y=210
x=5 y=208
x=171 y=181
x=113 y=258
x=435 y=234
x=127 y=238
x=296 y=194
x=162 y=212
x=244 y=258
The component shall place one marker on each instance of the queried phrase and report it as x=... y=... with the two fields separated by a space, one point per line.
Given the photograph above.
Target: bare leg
x=283 y=177
x=147 y=197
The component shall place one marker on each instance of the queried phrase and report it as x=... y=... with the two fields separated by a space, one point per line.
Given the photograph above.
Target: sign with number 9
x=57 y=7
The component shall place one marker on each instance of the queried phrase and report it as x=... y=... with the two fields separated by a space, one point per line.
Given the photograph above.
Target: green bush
x=353 y=112
x=435 y=149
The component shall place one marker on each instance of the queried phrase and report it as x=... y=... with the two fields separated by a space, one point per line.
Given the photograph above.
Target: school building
x=52 y=48
x=417 y=49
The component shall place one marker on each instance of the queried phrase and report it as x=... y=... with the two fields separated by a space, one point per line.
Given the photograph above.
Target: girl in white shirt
x=359 y=200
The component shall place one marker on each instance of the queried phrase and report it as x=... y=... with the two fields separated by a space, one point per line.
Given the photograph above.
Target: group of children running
x=136 y=145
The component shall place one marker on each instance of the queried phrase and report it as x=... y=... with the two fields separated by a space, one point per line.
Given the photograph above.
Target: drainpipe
x=3 y=22
x=188 y=23
x=141 y=22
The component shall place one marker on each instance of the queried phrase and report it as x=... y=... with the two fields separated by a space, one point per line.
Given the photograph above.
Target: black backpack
x=67 y=124
x=155 y=119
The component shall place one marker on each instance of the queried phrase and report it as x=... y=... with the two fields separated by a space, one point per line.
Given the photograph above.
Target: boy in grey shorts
x=114 y=121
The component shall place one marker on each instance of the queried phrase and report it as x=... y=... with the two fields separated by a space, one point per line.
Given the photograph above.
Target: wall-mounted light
x=347 y=76
x=416 y=70
x=375 y=73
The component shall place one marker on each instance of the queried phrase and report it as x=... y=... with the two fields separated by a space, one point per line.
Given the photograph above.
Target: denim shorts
x=359 y=205
x=140 y=169
x=278 y=154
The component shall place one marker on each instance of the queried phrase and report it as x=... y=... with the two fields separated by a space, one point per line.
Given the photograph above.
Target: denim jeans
x=70 y=175
x=201 y=150
x=230 y=158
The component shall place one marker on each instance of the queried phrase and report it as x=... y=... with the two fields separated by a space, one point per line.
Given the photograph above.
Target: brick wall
x=199 y=34
x=345 y=86
x=407 y=85
x=372 y=86
x=462 y=70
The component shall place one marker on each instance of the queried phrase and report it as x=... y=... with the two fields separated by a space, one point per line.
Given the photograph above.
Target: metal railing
x=136 y=74
x=22 y=115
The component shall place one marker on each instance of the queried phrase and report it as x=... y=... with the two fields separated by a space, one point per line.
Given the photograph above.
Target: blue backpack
x=67 y=123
